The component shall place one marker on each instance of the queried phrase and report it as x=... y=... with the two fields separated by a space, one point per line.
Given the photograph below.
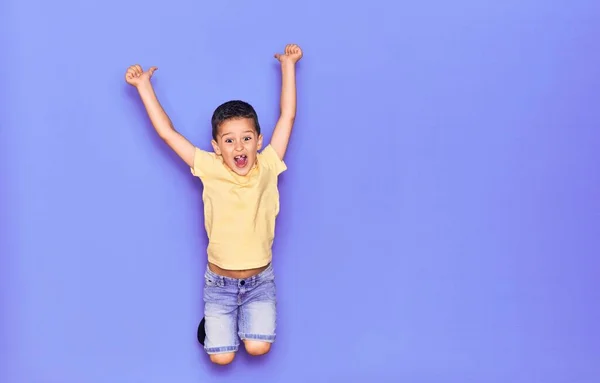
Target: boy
x=241 y=203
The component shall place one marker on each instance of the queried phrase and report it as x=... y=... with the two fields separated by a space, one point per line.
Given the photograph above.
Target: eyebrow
x=246 y=131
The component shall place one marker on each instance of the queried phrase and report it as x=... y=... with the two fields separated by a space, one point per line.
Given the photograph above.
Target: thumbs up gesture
x=135 y=75
x=291 y=53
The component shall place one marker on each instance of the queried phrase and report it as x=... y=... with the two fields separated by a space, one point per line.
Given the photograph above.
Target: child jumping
x=241 y=203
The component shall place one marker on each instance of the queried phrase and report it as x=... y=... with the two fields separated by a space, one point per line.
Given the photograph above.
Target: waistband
x=220 y=280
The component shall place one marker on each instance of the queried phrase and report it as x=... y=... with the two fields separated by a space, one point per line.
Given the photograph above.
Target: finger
x=138 y=69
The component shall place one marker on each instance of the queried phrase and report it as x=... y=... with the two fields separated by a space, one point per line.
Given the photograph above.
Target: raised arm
x=283 y=128
x=140 y=79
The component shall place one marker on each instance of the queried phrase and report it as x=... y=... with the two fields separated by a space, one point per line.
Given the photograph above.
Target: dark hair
x=232 y=110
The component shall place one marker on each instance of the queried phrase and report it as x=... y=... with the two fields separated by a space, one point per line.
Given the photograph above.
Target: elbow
x=288 y=117
x=167 y=135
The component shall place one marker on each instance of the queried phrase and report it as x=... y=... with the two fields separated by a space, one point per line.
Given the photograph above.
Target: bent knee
x=222 y=359
x=257 y=348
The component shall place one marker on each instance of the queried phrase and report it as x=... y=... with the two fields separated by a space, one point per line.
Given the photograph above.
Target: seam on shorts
x=220 y=350
x=262 y=337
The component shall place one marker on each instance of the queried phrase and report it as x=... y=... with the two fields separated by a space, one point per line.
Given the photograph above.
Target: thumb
x=277 y=56
x=152 y=70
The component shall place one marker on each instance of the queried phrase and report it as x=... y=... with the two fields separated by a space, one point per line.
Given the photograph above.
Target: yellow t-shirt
x=239 y=211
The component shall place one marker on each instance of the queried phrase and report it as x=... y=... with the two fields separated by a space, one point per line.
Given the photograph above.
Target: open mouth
x=241 y=160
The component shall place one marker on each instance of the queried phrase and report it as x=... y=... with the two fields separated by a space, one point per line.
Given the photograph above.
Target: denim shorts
x=237 y=309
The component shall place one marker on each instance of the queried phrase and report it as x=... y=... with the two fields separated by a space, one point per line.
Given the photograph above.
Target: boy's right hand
x=135 y=75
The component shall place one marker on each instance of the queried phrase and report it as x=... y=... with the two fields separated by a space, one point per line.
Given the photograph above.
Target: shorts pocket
x=210 y=280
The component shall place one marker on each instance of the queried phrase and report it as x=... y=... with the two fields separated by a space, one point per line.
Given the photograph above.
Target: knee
x=222 y=359
x=257 y=348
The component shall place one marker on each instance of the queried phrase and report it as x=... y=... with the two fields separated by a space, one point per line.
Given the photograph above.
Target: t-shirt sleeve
x=271 y=160
x=205 y=163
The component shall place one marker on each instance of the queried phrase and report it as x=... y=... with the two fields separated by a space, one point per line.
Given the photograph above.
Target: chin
x=240 y=172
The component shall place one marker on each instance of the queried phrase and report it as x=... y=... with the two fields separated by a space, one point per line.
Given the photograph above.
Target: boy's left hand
x=292 y=53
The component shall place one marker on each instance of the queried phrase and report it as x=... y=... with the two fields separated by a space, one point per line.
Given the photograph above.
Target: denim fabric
x=237 y=309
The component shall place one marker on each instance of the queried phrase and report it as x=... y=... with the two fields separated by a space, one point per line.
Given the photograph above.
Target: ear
x=216 y=147
x=259 y=142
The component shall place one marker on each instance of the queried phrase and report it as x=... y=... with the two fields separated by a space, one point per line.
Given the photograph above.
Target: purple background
x=440 y=215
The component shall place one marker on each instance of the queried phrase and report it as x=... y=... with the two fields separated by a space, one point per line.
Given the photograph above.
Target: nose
x=239 y=146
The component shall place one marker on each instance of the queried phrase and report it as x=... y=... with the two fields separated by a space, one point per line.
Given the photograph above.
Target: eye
x=247 y=138
x=228 y=140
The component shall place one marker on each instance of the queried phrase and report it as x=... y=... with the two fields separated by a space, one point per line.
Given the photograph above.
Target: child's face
x=238 y=144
